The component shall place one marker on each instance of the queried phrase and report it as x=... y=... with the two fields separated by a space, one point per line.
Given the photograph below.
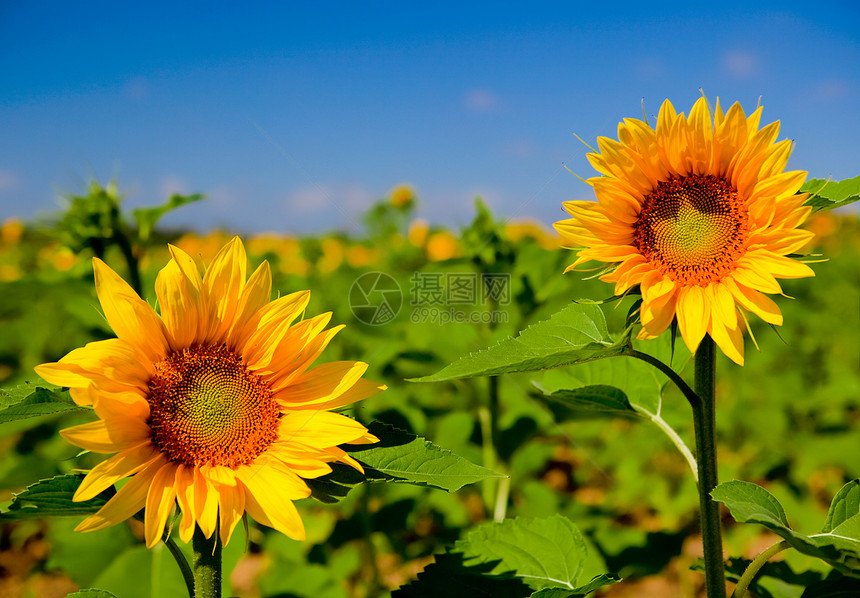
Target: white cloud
x=222 y=199
x=739 y=63
x=309 y=199
x=456 y=206
x=136 y=89
x=831 y=89
x=172 y=184
x=518 y=148
x=341 y=201
x=481 y=100
x=650 y=68
x=491 y=197
x=9 y=181
x=357 y=198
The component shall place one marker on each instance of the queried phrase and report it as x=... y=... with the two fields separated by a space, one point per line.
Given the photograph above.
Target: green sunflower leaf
x=91 y=593
x=53 y=498
x=838 y=587
x=515 y=557
x=839 y=542
x=29 y=400
x=628 y=388
x=403 y=457
x=576 y=334
x=844 y=510
x=399 y=457
x=592 y=586
x=827 y=195
x=598 y=400
x=147 y=218
x=776 y=579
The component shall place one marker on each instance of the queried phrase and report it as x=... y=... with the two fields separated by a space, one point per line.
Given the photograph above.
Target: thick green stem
x=685 y=389
x=489 y=419
x=500 y=501
x=184 y=567
x=207 y=564
x=704 y=417
x=756 y=565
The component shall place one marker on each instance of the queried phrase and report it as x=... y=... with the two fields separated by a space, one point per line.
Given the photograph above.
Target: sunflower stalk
x=181 y=561
x=754 y=567
x=704 y=416
x=206 y=564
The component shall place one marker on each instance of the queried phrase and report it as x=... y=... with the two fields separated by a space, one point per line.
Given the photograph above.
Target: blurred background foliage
x=786 y=420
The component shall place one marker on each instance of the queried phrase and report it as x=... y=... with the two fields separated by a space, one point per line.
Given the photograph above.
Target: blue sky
x=294 y=117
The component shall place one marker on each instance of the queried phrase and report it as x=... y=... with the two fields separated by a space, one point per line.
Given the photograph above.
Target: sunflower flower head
x=213 y=404
x=698 y=213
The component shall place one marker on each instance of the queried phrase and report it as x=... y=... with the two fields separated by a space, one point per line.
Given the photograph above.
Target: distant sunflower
x=212 y=405
x=700 y=215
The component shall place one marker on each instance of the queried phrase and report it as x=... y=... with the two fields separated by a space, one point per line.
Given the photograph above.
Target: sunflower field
x=491 y=447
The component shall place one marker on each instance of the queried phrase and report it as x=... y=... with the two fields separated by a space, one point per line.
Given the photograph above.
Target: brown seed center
x=207 y=408
x=693 y=229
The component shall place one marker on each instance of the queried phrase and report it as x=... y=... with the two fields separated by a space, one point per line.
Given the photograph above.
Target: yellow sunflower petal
x=755 y=278
x=159 y=503
x=756 y=302
x=122 y=465
x=184 y=484
x=113 y=365
x=717 y=213
x=305 y=461
x=779 y=265
x=121 y=406
x=126 y=502
x=310 y=345
x=782 y=242
x=722 y=305
x=657 y=314
x=189 y=400
x=274 y=467
x=181 y=306
x=130 y=317
x=265 y=502
x=274 y=348
x=222 y=285
x=701 y=136
x=205 y=503
x=98 y=437
x=729 y=340
x=320 y=428
x=360 y=390
x=232 y=507
x=693 y=316
x=777 y=158
x=731 y=135
x=323 y=384
x=255 y=294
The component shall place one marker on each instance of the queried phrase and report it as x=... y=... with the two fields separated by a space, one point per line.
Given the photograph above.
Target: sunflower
x=213 y=405
x=700 y=215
